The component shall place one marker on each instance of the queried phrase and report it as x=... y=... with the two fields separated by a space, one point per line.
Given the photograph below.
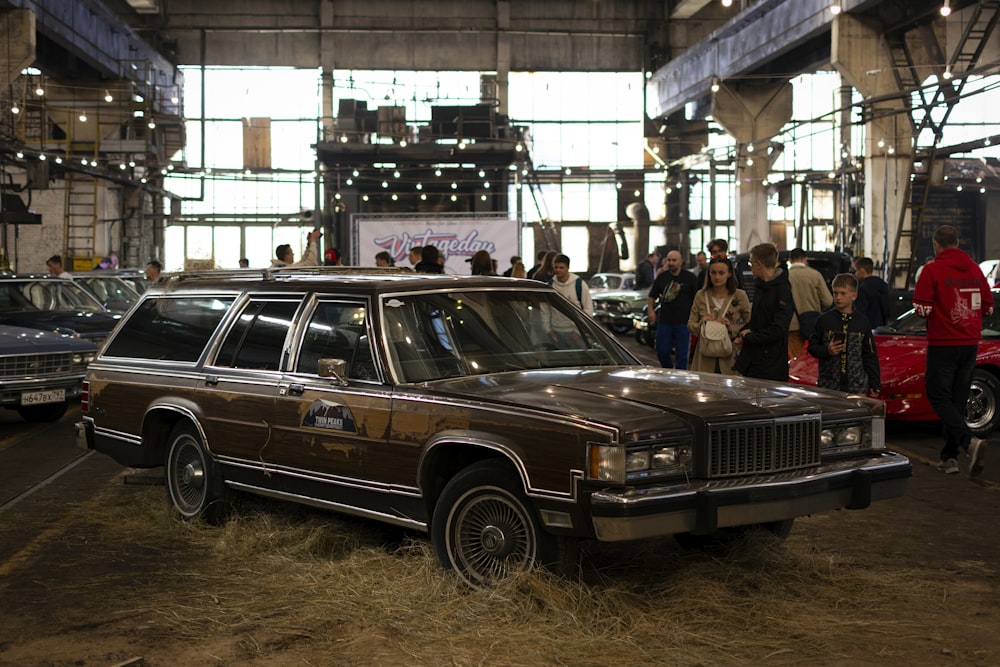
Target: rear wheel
x=981 y=411
x=484 y=528
x=46 y=412
x=194 y=486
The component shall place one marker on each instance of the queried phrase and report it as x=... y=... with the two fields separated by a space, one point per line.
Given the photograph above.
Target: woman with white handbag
x=720 y=308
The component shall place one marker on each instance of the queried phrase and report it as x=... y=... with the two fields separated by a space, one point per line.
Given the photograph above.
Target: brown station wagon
x=489 y=412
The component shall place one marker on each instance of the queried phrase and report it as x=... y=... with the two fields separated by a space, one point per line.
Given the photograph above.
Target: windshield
x=434 y=336
x=912 y=324
x=17 y=295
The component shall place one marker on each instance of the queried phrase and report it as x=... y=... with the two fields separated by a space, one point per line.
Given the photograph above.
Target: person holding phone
x=842 y=341
x=285 y=256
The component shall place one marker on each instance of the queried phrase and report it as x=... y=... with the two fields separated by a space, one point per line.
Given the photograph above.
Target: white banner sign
x=457 y=238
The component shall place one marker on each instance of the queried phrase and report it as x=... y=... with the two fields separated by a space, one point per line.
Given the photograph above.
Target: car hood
x=18 y=340
x=637 y=398
x=625 y=295
x=901 y=356
x=63 y=321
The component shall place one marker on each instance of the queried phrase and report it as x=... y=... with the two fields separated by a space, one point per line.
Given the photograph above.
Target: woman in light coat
x=708 y=304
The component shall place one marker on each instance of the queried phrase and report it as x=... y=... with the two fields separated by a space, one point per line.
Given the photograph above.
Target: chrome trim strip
x=350 y=482
x=116 y=435
x=326 y=504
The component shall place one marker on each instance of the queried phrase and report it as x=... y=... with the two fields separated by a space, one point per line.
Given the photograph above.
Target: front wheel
x=484 y=528
x=981 y=412
x=194 y=487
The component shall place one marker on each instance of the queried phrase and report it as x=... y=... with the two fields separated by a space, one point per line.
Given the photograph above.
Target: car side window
x=174 y=329
x=338 y=330
x=257 y=339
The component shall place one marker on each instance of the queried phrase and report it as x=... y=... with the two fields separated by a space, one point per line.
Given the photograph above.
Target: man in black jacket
x=764 y=341
x=873 y=293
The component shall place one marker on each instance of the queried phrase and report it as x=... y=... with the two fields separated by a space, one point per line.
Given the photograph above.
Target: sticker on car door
x=323 y=414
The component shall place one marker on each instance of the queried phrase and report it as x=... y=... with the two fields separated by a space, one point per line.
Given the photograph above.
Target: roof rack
x=272 y=273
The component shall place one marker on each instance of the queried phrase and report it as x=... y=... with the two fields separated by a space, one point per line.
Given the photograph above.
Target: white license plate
x=38 y=397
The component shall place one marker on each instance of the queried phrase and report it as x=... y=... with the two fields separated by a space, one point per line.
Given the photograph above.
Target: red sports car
x=902 y=348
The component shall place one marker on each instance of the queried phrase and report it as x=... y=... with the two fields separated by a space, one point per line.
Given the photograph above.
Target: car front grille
x=763 y=447
x=39 y=365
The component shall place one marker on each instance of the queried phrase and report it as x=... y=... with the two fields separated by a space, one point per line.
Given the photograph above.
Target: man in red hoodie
x=953 y=296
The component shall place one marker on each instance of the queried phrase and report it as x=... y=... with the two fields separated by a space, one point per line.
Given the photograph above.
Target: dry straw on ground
x=292 y=582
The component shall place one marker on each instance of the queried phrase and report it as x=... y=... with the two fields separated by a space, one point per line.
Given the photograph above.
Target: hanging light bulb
x=83 y=116
x=835 y=8
x=14 y=109
x=727 y=3
x=19 y=154
x=946 y=8
x=947 y=73
x=715 y=84
x=39 y=90
x=151 y=124
x=107 y=96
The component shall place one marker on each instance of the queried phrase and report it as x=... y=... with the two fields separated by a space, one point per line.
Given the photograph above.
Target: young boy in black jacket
x=842 y=341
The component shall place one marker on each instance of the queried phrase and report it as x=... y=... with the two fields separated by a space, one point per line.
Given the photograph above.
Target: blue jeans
x=672 y=338
x=948 y=379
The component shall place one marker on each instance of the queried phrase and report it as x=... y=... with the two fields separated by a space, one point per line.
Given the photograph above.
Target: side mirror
x=333 y=368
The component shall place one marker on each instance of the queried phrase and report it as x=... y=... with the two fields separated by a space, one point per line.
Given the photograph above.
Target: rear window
x=172 y=329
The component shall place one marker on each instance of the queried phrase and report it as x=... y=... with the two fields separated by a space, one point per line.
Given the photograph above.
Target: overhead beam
x=97 y=36
x=757 y=36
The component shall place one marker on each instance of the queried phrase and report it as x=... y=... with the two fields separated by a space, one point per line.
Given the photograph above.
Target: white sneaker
x=948 y=466
x=977 y=456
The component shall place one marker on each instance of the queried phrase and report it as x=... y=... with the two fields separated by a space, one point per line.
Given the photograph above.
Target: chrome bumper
x=704 y=507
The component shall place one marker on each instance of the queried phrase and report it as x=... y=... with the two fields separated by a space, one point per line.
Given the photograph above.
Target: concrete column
x=752 y=113
x=18 y=28
x=325 y=59
x=503 y=54
x=859 y=53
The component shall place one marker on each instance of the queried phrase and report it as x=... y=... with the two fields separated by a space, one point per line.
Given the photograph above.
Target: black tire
x=484 y=528
x=981 y=410
x=47 y=412
x=724 y=537
x=194 y=487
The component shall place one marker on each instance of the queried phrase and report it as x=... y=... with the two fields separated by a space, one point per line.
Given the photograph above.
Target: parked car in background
x=53 y=304
x=136 y=278
x=40 y=372
x=902 y=353
x=491 y=413
x=618 y=310
x=990 y=268
x=114 y=293
x=609 y=282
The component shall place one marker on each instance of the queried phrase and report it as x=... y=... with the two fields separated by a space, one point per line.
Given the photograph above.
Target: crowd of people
x=792 y=312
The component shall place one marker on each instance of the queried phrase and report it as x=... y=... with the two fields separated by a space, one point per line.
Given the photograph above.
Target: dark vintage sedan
x=41 y=372
x=53 y=304
x=489 y=412
x=114 y=292
x=618 y=310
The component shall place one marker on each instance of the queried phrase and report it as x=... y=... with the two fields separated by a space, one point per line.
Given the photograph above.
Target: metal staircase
x=981 y=22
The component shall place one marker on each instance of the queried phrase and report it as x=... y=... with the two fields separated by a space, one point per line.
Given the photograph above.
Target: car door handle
x=296 y=389
x=212 y=380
